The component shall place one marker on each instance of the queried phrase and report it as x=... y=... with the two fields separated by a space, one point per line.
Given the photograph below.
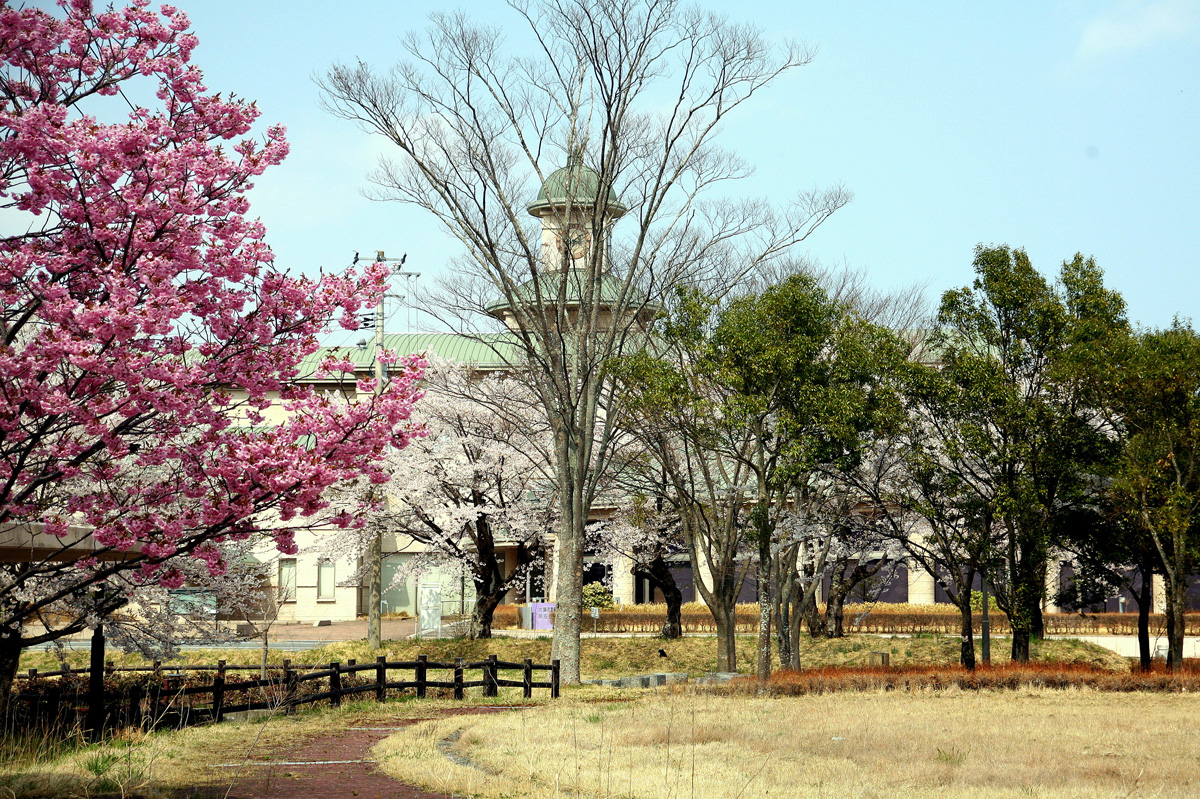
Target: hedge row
x=880 y=620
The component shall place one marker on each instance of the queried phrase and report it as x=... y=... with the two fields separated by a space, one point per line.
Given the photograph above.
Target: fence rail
x=163 y=700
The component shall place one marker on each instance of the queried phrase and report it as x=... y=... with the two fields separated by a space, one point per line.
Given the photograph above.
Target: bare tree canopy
x=630 y=95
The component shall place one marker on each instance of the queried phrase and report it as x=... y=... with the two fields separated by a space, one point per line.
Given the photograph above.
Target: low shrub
x=596 y=595
x=1009 y=676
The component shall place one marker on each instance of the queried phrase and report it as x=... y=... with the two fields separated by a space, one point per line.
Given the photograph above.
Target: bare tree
x=631 y=93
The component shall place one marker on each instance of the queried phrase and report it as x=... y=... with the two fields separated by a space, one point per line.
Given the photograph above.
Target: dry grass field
x=948 y=744
x=628 y=744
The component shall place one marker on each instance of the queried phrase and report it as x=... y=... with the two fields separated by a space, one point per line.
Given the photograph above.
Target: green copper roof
x=577 y=185
x=485 y=350
x=551 y=284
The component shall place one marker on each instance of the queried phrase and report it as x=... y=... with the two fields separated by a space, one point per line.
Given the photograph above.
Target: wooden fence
x=164 y=699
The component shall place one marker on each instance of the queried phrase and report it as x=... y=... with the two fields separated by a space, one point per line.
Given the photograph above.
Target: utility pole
x=375 y=547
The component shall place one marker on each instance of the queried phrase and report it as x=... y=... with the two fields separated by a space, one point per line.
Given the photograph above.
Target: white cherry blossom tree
x=476 y=492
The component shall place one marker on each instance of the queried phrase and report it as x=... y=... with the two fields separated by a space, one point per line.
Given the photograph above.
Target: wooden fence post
x=36 y=705
x=458 y=678
x=218 y=701
x=490 y=676
x=422 y=673
x=290 y=683
x=554 y=670
x=380 y=678
x=94 y=720
x=335 y=684
x=527 y=679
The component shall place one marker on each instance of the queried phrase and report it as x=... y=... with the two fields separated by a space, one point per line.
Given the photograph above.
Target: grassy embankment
x=615 y=657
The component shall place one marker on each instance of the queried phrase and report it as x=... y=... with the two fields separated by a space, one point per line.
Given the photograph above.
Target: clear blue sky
x=1053 y=126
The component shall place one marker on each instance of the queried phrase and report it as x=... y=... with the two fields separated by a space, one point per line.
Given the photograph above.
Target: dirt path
x=337 y=766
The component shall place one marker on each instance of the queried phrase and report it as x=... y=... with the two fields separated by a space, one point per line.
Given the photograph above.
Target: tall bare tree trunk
x=794 y=632
x=1020 y=644
x=658 y=571
x=784 y=608
x=1145 y=604
x=813 y=618
x=966 y=654
x=482 y=613
x=568 y=598
x=725 y=617
x=375 y=592
x=764 y=602
x=835 y=611
x=1176 y=606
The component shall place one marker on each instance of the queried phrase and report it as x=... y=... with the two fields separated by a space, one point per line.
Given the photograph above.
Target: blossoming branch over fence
x=158 y=698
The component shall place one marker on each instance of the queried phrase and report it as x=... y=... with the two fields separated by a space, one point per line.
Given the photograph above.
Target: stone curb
x=642 y=680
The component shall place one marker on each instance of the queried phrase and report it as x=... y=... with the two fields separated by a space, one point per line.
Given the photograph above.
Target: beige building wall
x=307 y=606
x=921 y=585
x=624 y=588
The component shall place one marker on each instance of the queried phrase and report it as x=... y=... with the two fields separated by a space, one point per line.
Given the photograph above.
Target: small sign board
x=429 y=610
x=595 y=613
x=540 y=611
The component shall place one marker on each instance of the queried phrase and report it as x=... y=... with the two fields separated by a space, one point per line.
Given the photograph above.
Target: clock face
x=574 y=240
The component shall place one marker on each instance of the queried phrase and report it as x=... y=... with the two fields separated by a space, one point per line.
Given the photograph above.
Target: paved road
x=1127 y=645
x=392 y=629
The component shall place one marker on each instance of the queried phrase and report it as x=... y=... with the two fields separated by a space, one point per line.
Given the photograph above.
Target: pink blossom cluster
x=145 y=329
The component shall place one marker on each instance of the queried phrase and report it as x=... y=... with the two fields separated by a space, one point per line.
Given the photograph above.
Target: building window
x=325 y=579
x=287 y=579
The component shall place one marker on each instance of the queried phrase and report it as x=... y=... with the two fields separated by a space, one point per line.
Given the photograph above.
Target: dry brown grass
x=1008 y=676
x=965 y=745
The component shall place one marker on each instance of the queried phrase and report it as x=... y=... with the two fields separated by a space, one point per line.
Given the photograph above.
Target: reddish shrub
x=1009 y=676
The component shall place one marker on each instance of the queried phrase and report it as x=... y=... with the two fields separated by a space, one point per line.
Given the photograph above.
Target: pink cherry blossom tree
x=145 y=331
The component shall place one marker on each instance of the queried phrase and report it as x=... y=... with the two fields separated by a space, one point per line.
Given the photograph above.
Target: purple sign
x=541 y=615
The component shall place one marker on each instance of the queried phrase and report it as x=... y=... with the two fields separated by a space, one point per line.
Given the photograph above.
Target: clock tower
x=572 y=222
